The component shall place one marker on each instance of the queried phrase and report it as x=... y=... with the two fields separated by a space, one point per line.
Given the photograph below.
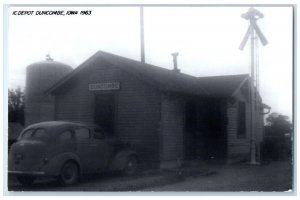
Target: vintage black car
x=66 y=150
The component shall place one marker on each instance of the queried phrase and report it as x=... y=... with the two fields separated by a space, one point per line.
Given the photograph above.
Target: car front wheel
x=130 y=166
x=69 y=174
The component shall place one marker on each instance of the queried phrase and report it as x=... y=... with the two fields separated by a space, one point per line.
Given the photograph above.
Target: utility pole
x=253 y=32
x=253 y=102
x=142 y=34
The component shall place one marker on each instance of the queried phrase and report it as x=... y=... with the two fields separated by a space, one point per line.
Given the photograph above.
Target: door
x=94 y=152
x=103 y=150
x=104 y=112
x=85 y=148
x=191 y=130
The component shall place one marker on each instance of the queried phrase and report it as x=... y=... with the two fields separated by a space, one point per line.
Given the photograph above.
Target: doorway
x=191 y=127
x=205 y=137
x=105 y=111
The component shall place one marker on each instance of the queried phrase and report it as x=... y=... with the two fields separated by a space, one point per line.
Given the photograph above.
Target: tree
x=16 y=105
x=279 y=124
x=277 y=143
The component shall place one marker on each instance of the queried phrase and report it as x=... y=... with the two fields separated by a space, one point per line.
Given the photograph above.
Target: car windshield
x=34 y=134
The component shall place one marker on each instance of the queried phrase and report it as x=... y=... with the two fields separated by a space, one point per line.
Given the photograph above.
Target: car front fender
x=119 y=160
x=55 y=164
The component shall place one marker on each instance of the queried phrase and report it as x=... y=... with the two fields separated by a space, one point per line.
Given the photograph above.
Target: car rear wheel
x=130 y=166
x=26 y=180
x=69 y=174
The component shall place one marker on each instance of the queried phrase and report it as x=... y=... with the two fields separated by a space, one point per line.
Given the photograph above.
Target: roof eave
x=239 y=86
x=66 y=78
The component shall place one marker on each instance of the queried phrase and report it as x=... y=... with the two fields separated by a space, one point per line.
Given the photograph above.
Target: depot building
x=168 y=117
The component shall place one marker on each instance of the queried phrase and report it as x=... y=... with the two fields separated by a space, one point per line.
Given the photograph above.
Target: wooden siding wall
x=238 y=149
x=138 y=117
x=137 y=108
x=172 y=131
x=39 y=111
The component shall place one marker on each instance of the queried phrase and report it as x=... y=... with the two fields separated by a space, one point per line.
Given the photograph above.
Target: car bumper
x=35 y=173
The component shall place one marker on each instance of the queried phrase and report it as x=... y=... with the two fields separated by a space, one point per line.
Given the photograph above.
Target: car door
x=64 y=143
x=103 y=151
x=85 y=148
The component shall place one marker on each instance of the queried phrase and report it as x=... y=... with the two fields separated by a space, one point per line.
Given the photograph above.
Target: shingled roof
x=223 y=86
x=161 y=78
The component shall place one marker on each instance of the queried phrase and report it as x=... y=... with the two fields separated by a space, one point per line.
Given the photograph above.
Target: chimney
x=175 y=62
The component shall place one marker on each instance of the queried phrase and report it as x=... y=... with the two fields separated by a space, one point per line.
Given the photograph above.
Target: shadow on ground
x=275 y=176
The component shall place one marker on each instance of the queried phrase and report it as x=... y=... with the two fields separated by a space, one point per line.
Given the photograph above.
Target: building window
x=241 y=120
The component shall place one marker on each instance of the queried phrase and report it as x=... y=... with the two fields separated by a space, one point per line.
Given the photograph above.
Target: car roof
x=59 y=125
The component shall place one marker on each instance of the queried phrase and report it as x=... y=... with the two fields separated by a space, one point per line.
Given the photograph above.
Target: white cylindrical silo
x=40 y=76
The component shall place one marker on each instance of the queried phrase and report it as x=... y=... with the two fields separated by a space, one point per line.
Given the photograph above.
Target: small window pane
x=65 y=136
x=40 y=133
x=27 y=134
x=82 y=133
x=241 y=120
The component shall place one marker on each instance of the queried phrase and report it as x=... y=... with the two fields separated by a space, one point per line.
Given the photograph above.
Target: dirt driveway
x=276 y=176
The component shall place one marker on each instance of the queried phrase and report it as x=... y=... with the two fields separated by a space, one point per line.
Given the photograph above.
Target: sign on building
x=104 y=86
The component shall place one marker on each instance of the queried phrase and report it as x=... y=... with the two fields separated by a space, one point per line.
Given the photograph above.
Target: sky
x=207 y=39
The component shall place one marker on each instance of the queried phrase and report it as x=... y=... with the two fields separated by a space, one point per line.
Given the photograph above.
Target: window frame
x=242 y=120
x=22 y=135
x=32 y=134
x=69 y=130
x=82 y=127
x=36 y=130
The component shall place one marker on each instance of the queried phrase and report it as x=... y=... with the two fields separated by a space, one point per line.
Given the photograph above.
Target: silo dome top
x=40 y=76
x=49 y=62
x=54 y=64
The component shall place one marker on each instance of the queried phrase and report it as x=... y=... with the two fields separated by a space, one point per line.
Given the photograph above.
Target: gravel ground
x=276 y=176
